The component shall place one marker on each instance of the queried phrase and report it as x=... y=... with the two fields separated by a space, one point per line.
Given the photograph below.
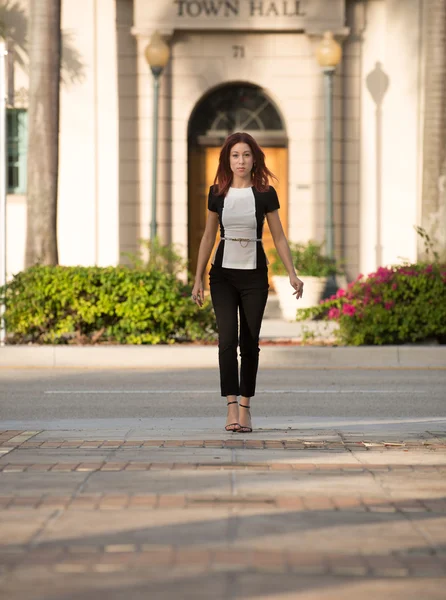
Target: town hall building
x=235 y=65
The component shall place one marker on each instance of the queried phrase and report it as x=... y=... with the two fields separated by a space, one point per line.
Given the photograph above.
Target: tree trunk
x=433 y=215
x=43 y=134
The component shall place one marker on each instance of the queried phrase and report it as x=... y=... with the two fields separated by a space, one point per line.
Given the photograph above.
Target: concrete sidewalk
x=193 y=355
x=88 y=513
x=281 y=347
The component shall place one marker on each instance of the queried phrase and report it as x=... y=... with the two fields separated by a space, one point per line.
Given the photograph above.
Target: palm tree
x=43 y=131
x=433 y=217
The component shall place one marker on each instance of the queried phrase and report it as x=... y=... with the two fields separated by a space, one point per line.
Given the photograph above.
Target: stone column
x=433 y=128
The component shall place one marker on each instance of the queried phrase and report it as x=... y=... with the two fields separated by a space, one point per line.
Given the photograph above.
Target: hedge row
x=121 y=305
x=61 y=305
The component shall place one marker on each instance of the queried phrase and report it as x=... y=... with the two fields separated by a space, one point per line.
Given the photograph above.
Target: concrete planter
x=313 y=290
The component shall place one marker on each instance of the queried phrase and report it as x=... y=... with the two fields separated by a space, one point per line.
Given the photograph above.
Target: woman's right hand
x=297 y=284
x=198 y=293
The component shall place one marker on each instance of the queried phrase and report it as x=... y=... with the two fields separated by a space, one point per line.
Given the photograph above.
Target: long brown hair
x=260 y=173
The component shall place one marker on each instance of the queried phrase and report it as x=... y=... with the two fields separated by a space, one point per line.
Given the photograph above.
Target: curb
x=195 y=356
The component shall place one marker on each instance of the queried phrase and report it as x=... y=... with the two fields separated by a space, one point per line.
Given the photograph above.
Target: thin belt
x=242 y=239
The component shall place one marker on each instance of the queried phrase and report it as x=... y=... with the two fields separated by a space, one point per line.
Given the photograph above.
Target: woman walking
x=238 y=203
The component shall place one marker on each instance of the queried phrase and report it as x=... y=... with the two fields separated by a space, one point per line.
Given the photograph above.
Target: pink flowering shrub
x=395 y=305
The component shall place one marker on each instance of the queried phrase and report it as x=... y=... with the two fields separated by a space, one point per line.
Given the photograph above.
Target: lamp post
x=329 y=54
x=2 y=184
x=157 y=55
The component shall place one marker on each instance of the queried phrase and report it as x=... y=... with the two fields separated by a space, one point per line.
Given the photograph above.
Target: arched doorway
x=229 y=108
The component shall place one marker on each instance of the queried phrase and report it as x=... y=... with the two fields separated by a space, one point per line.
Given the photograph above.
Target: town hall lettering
x=231 y=8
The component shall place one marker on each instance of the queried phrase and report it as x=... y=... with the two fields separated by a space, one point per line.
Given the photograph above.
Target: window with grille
x=236 y=107
x=16 y=148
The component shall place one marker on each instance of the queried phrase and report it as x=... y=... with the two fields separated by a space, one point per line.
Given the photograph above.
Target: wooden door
x=277 y=162
x=197 y=203
x=203 y=164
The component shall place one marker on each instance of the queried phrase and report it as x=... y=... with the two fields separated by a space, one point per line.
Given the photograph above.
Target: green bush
x=59 y=305
x=395 y=305
x=308 y=260
x=153 y=255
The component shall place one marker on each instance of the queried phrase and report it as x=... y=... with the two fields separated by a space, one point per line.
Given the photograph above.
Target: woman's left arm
x=283 y=249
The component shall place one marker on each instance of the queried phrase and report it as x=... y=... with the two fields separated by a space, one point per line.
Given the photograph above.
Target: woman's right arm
x=204 y=253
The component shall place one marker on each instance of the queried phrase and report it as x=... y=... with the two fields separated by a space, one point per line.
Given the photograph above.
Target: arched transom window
x=235 y=107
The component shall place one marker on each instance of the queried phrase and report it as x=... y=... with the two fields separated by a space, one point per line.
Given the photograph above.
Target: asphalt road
x=305 y=393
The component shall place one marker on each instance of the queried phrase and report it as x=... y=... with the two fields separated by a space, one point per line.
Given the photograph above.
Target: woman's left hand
x=198 y=292
x=298 y=286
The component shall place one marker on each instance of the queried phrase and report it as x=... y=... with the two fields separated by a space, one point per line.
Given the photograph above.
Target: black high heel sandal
x=243 y=428
x=232 y=424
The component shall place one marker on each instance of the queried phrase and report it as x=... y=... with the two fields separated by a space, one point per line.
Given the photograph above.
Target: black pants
x=238 y=292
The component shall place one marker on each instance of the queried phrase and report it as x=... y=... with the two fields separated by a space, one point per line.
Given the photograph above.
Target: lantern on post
x=329 y=54
x=157 y=55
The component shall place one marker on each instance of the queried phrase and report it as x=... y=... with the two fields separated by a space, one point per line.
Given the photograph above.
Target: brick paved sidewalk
x=302 y=518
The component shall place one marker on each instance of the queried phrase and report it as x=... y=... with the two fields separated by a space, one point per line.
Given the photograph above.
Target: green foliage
x=308 y=260
x=59 y=305
x=161 y=257
x=430 y=253
x=395 y=305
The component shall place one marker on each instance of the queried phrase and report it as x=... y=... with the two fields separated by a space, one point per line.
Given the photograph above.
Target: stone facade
x=433 y=129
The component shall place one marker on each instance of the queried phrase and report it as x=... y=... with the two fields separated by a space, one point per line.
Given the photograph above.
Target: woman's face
x=241 y=160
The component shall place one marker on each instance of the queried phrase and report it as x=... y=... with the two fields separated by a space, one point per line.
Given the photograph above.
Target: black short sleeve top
x=241 y=216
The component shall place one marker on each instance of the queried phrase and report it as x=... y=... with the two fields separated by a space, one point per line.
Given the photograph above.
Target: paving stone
x=23 y=483
x=298 y=484
x=156 y=555
x=54 y=455
x=347 y=564
x=64 y=467
x=410 y=457
x=175 y=501
x=269 y=561
x=383 y=566
x=55 y=501
x=28 y=501
x=11 y=468
x=435 y=505
x=137 y=466
x=351 y=503
x=114 y=501
x=89 y=466
x=433 y=528
x=290 y=503
x=170 y=455
x=178 y=512
x=171 y=526
x=160 y=483
x=121 y=548
x=19 y=526
x=331 y=530
x=307 y=563
x=113 y=466
x=231 y=558
x=140 y=501
x=71 y=568
x=83 y=503
x=294 y=457
x=41 y=467
x=192 y=557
